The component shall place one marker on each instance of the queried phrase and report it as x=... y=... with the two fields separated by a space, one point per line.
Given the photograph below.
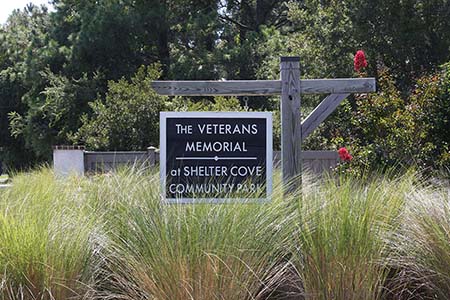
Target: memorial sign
x=216 y=156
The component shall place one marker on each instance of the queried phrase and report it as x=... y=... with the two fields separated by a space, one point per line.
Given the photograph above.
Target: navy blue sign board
x=215 y=157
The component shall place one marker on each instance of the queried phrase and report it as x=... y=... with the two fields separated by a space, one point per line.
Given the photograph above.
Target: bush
x=389 y=129
x=160 y=251
x=128 y=117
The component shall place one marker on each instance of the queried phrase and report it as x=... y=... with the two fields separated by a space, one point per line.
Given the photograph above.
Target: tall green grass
x=110 y=237
x=344 y=232
x=203 y=251
x=44 y=241
x=424 y=240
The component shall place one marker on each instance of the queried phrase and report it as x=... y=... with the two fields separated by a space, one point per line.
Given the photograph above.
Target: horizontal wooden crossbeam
x=262 y=87
x=218 y=88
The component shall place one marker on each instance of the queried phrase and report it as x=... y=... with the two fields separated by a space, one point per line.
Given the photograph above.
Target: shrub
x=109 y=237
x=391 y=129
x=128 y=117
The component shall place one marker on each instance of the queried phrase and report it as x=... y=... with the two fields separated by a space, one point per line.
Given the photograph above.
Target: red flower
x=359 y=61
x=344 y=155
x=342 y=152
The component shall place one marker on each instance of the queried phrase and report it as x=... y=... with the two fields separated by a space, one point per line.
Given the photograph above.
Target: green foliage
x=56 y=115
x=430 y=108
x=385 y=133
x=380 y=130
x=128 y=117
x=218 y=104
x=323 y=37
x=388 y=128
x=409 y=37
x=56 y=66
x=65 y=100
x=22 y=53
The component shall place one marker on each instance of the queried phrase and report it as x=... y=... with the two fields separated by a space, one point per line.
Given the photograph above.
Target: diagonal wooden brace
x=321 y=112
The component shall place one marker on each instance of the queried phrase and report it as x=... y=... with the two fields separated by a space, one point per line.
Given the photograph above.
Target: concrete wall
x=73 y=159
x=105 y=161
x=68 y=160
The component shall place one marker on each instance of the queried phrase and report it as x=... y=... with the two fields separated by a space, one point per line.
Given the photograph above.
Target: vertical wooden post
x=291 y=134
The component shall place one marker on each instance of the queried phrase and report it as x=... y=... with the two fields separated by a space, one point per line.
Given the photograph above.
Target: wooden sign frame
x=290 y=87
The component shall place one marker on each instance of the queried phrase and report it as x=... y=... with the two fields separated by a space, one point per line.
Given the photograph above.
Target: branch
x=280 y=19
x=226 y=18
x=280 y=23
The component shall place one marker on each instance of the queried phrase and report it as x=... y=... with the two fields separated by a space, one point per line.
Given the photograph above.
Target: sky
x=7 y=6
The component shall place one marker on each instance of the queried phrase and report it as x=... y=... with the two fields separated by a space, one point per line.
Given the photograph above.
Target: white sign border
x=219 y=114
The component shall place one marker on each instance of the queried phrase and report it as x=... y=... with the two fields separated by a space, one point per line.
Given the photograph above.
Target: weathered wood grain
x=262 y=87
x=320 y=155
x=338 y=86
x=291 y=130
x=321 y=112
x=218 y=88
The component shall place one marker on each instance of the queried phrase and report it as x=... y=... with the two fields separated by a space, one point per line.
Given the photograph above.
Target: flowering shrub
x=390 y=129
x=359 y=61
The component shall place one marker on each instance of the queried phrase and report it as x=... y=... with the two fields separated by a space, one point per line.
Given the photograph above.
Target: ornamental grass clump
x=202 y=251
x=109 y=236
x=44 y=240
x=344 y=232
x=424 y=261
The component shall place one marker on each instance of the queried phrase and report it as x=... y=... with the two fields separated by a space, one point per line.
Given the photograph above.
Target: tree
x=401 y=37
x=21 y=59
x=57 y=67
x=410 y=37
x=128 y=117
